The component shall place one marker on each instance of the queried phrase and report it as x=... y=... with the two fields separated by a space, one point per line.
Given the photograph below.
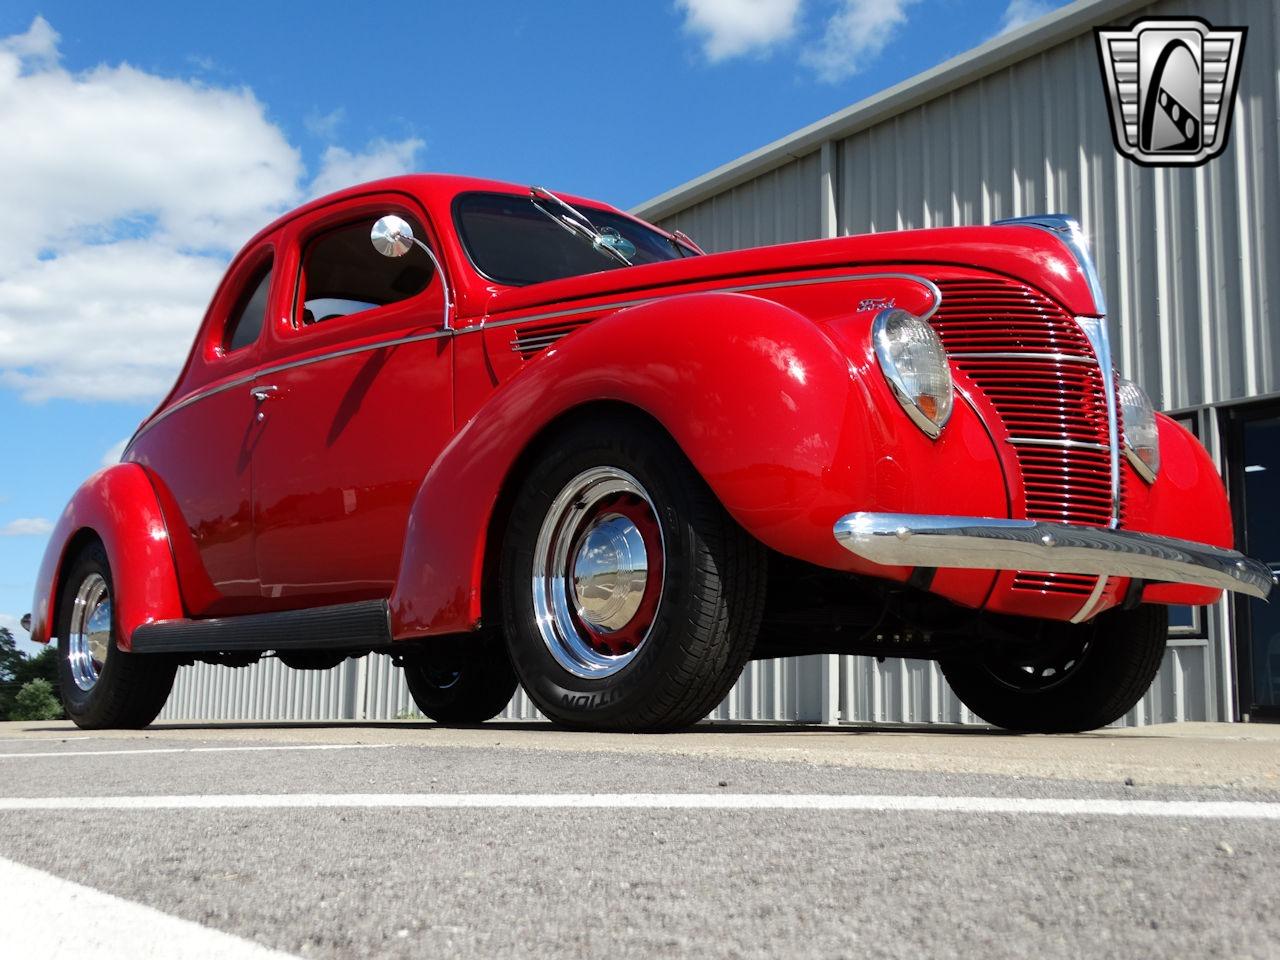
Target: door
x=199 y=452
x=357 y=404
x=1256 y=489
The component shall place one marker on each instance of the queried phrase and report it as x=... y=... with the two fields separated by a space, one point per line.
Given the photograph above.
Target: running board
x=346 y=626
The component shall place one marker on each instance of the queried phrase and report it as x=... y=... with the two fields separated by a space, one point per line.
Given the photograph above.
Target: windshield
x=513 y=242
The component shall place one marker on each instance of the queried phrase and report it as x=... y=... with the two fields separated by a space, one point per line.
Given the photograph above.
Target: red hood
x=1030 y=254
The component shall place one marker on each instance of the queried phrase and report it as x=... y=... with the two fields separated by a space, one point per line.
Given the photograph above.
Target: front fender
x=785 y=426
x=1188 y=501
x=118 y=506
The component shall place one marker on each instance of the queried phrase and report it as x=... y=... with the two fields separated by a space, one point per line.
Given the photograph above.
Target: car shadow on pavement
x=736 y=727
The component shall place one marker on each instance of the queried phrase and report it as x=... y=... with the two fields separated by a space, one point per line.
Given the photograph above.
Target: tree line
x=28 y=685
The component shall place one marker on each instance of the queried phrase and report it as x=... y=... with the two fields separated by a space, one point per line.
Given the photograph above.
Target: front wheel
x=102 y=686
x=631 y=598
x=464 y=682
x=1071 y=678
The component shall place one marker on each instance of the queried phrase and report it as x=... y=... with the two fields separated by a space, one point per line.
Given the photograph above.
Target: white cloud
x=854 y=32
x=27 y=527
x=324 y=125
x=112 y=456
x=38 y=45
x=340 y=167
x=730 y=28
x=855 y=36
x=102 y=322
x=1021 y=12
x=123 y=198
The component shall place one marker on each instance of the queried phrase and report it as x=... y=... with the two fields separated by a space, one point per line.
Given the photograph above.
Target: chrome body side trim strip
x=986 y=543
x=277 y=368
x=1045 y=442
x=739 y=288
x=1095 y=328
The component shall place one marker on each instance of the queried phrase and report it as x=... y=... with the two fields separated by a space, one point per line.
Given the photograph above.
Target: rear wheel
x=466 y=682
x=1073 y=678
x=102 y=686
x=631 y=599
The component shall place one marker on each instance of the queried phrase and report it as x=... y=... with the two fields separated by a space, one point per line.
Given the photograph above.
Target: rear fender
x=776 y=417
x=117 y=506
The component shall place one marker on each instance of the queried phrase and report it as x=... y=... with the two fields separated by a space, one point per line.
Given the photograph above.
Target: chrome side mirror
x=392 y=236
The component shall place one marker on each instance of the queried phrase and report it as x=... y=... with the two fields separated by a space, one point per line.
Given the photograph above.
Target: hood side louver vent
x=533 y=339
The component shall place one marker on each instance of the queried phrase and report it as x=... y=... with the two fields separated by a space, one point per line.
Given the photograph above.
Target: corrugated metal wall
x=1191 y=265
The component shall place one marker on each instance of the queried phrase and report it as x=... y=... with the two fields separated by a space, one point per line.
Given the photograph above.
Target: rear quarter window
x=248 y=318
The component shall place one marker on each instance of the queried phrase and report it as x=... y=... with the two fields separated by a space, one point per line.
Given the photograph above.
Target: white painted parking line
x=116 y=753
x=54 y=739
x=1198 y=809
x=46 y=918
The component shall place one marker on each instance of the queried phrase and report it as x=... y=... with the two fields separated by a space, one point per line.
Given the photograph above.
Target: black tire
x=130 y=689
x=702 y=627
x=462 y=683
x=1075 y=678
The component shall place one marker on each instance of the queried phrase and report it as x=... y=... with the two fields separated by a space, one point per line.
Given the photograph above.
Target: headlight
x=1141 y=435
x=915 y=364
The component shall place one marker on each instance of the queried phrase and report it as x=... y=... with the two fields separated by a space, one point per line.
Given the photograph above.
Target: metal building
x=1190 y=263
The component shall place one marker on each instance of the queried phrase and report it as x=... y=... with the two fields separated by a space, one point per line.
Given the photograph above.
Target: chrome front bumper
x=984 y=543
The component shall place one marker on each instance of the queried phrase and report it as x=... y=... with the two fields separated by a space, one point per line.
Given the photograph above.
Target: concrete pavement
x=361 y=880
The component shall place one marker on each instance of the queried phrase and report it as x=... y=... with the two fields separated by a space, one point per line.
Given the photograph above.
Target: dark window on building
x=250 y=314
x=342 y=274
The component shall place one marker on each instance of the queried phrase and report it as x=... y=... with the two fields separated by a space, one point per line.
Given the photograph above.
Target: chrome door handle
x=263 y=393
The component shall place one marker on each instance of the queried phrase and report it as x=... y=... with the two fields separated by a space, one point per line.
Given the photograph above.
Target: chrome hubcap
x=598 y=572
x=610 y=572
x=89 y=637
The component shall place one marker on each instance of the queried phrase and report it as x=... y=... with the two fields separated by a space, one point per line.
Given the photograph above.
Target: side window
x=342 y=274
x=250 y=313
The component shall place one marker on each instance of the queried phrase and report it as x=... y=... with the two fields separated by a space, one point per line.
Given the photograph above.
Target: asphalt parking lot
x=408 y=840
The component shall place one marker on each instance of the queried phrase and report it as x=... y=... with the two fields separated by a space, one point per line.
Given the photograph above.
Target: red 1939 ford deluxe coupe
x=511 y=437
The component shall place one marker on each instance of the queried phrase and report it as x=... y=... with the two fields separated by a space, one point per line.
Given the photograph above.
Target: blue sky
x=144 y=141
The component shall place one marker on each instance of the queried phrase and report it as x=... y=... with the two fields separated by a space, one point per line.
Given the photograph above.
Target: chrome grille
x=1035 y=365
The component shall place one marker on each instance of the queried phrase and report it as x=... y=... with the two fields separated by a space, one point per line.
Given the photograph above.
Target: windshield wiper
x=576 y=223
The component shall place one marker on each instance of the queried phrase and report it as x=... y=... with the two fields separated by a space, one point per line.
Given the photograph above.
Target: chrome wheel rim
x=89 y=637
x=598 y=572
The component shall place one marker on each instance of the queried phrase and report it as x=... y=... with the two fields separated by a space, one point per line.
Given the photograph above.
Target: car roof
x=431 y=187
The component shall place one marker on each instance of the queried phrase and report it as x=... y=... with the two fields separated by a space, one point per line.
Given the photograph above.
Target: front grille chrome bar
x=961 y=354
x=1047 y=442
